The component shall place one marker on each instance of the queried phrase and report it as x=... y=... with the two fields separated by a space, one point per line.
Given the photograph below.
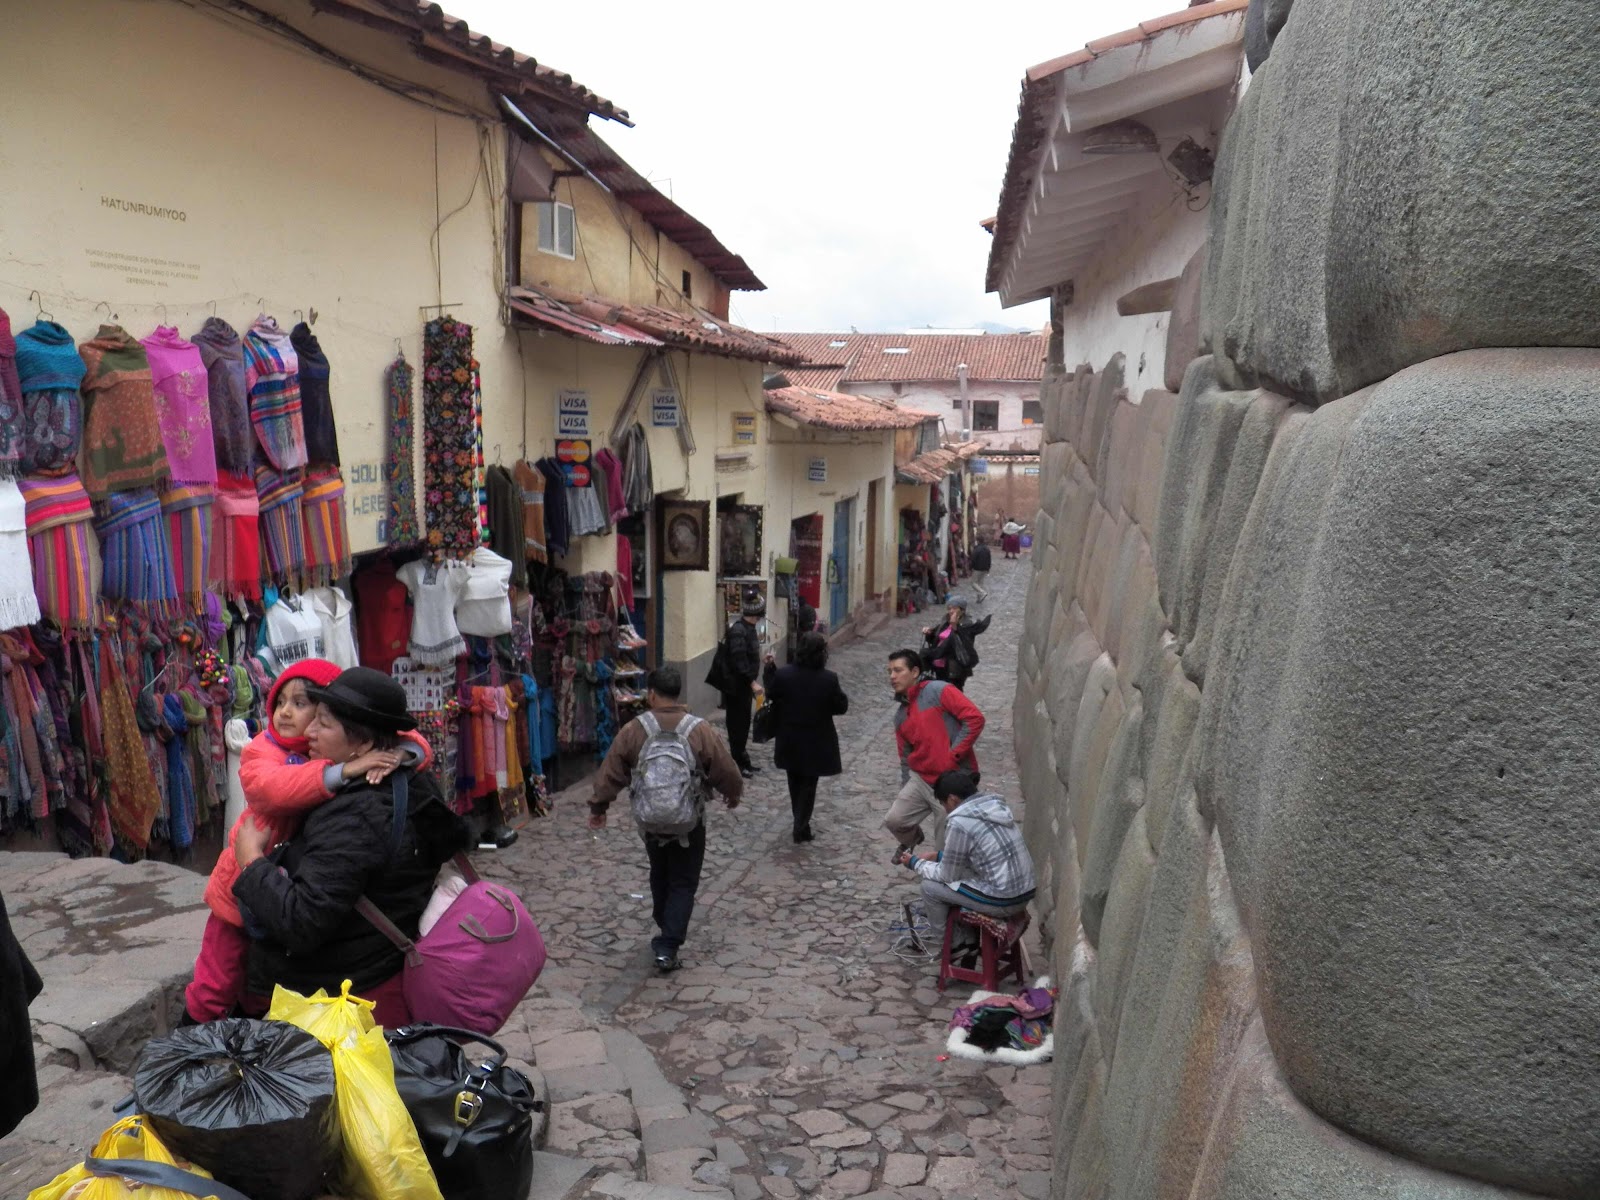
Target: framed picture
x=685 y=534
x=739 y=540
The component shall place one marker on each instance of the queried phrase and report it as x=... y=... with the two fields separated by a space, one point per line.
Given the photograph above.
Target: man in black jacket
x=981 y=563
x=741 y=680
x=19 y=984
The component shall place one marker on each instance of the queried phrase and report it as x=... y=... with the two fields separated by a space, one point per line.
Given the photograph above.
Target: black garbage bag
x=250 y=1101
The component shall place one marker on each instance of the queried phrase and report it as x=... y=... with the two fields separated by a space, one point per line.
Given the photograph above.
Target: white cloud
x=847 y=150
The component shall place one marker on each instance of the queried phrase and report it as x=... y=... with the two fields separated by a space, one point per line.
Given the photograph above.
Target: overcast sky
x=846 y=148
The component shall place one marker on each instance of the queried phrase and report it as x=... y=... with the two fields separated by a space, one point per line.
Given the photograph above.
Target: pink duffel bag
x=476 y=963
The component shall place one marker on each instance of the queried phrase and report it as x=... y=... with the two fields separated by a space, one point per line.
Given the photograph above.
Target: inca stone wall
x=1308 y=707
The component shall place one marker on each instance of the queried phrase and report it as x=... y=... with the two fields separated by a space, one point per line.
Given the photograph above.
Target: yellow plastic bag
x=129 y=1140
x=383 y=1158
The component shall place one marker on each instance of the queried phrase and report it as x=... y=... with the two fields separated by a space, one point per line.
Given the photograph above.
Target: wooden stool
x=999 y=948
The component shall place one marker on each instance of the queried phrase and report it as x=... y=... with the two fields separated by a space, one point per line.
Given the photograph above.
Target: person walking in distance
x=951 y=647
x=670 y=761
x=1011 y=538
x=736 y=673
x=806 y=697
x=982 y=563
x=935 y=729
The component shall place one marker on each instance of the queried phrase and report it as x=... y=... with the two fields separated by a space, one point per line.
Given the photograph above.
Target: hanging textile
x=316 y=404
x=10 y=382
x=236 y=538
x=435 y=588
x=271 y=376
x=450 y=436
x=584 y=515
x=327 y=548
x=19 y=605
x=401 y=527
x=183 y=406
x=282 y=525
x=66 y=557
x=531 y=481
x=183 y=810
x=133 y=545
x=638 y=484
x=187 y=511
x=222 y=355
x=11 y=432
x=122 y=447
x=334 y=610
x=383 y=619
x=508 y=523
x=612 y=496
x=135 y=800
x=555 y=505
x=49 y=372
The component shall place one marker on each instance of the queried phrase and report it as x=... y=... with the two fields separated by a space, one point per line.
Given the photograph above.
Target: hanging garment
x=450 y=436
x=327 y=548
x=183 y=406
x=401 y=526
x=133 y=545
x=531 y=481
x=236 y=538
x=584 y=516
x=11 y=424
x=222 y=355
x=611 y=494
x=188 y=515
x=183 y=808
x=49 y=372
x=555 y=505
x=638 y=484
x=435 y=639
x=66 y=556
x=316 y=404
x=122 y=448
x=333 y=609
x=10 y=381
x=18 y=603
x=507 y=523
x=294 y=632
x=625 y=570
x=135 y=799
x=282 y=526
x=271 y=376
x=484 y=609
x=383 y=618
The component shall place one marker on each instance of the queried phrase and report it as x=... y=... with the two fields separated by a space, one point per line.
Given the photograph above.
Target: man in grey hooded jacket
x=984 y=866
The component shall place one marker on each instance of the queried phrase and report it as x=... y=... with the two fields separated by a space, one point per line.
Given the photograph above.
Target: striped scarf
x=66 y=562
x=282 y=530
x=236 y=539
x=401 y=526
x=271 y=372
x=327 y=548
x=133 y=543
x=188 y=515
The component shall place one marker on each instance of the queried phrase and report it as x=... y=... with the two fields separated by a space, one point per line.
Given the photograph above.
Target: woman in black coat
x=304 y=897
x=942 y=658
x=807 y=697
x=19 y=985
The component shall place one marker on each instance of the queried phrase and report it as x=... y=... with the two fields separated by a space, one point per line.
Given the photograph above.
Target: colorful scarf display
x=187 y=511
x=271 y=375
x=236 y=538
x=282 y=529
x=451 y=440
x=222 y=354
x=10 y=400
x=401 y=526
x=49 y=373
x=122 y=449
x=10 y=382
x=66 y=563
x=183 y=406
x=327 y=548
x=18 y=603
x=133 y=544
x=316 y=403
x=135 y=800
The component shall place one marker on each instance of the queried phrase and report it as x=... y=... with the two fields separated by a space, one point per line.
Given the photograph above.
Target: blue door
x=839 y=564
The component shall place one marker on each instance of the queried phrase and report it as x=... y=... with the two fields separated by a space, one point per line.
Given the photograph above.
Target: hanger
x=107 y=306
x=213 y=308
x=163 y=311
x=39 y=302
x=400 y=351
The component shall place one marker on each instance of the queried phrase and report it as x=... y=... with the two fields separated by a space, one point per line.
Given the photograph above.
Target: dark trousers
x=739 y=703
x=802 y=799
x=674 y=879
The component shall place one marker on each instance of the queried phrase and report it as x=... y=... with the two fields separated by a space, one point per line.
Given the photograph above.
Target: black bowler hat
x=368 y=698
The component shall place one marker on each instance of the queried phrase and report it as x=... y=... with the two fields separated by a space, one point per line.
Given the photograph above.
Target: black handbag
x=475 y=1122
x=764 y=725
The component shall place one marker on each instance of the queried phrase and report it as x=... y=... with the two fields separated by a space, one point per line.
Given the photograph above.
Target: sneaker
x=498 y=838
x=898 y=851
x=667 y=963
x=747 y=772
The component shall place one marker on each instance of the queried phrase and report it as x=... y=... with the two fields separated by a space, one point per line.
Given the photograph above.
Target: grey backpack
x=668 y=789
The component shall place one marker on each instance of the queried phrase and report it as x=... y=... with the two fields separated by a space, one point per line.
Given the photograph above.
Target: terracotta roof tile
x=838 y=410
x=922 y=357
x=936 y=464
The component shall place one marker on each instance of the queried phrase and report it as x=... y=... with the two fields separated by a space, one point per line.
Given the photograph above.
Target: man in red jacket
x=935 y=729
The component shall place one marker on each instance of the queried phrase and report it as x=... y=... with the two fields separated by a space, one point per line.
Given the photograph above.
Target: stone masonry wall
x=1306 y=713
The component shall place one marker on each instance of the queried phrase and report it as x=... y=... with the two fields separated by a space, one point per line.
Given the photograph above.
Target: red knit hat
x=317 y=672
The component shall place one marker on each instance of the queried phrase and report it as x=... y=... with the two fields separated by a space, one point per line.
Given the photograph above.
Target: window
x=688 y=286
x=956 y=404
x=898 y=388
x=986 y=414
x=558 y=229
x=1032 y=412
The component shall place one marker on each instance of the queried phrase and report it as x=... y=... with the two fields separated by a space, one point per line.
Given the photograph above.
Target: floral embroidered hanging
x=451 y=441
x=401 y=526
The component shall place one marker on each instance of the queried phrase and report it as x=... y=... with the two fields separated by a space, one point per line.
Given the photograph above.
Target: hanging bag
x=764 y=725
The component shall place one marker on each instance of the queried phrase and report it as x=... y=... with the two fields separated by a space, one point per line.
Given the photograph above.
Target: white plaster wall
x=942 y=398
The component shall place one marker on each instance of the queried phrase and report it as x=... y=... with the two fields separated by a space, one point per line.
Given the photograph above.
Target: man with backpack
x=670 y=761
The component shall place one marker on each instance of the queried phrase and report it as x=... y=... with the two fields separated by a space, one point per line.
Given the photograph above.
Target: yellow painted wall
x=300 y=186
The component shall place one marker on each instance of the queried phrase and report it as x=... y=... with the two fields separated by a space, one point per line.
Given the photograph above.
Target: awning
x=552 y=314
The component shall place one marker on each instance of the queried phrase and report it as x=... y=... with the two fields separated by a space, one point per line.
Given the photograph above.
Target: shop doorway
x=839 y=563
x=874 y=503
x=805 y=547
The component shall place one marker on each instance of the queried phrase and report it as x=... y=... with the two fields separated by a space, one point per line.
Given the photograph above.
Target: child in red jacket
x=281 y=784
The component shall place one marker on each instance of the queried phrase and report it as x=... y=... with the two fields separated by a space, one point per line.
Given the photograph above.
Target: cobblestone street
x=799 y=1053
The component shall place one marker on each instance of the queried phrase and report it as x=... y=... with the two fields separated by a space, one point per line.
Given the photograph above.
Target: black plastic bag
x=250 y=1101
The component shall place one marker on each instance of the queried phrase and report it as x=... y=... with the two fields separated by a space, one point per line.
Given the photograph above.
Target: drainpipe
x=966 y=403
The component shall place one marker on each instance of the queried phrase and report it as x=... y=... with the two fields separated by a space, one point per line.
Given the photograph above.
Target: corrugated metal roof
x=839 y=410
x=922 y=357
x=552 y=314
x=936 y=464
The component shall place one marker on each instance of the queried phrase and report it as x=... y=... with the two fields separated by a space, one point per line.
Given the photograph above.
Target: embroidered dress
x=401 y=526
x=187 y=511
x=222 y=355
x=49 y=372
x=183 y=406
x=236 y=538
x=271 y=374
x=327 y=549
x=133 y=544
x=435 y=588
x=66 y=557
x=451 y=441
x=122 y=447
x=282 y=525
x=18 y=604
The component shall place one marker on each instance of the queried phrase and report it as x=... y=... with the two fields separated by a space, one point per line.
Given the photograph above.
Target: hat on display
x=367 y=697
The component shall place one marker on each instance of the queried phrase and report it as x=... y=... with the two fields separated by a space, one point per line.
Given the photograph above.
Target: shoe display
x=666 y=963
